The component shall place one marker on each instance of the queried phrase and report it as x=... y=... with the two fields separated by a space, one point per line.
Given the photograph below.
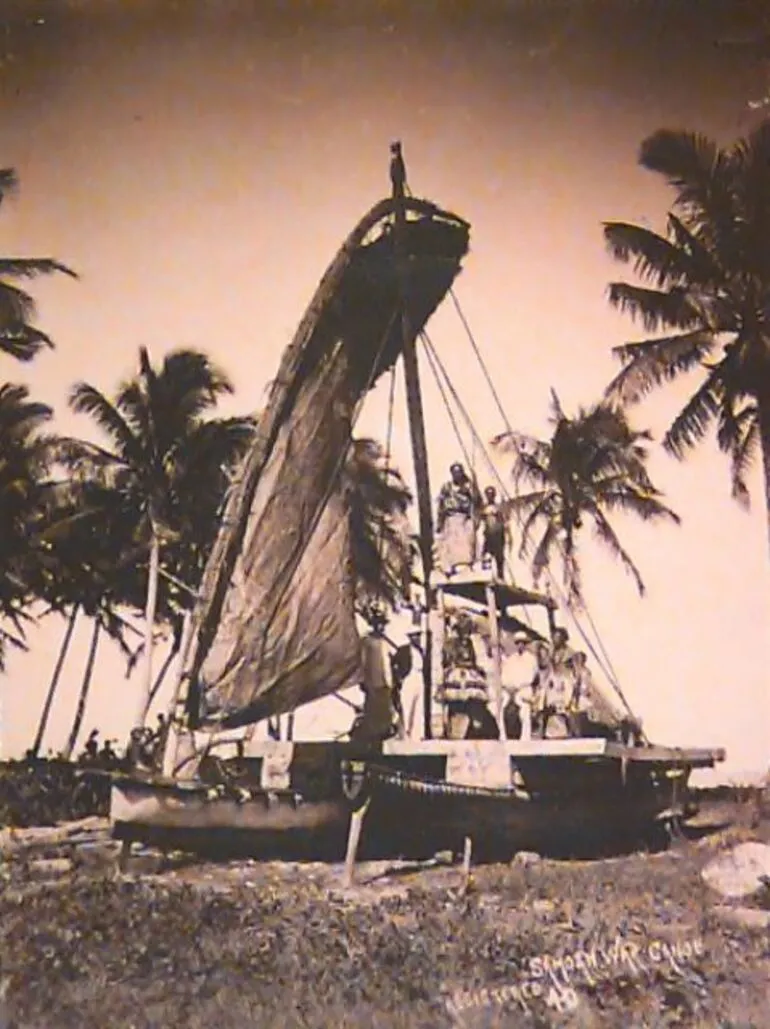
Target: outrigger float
x=274 y=627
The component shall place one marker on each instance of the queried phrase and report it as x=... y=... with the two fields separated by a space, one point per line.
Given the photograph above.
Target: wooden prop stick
x=496 y=669
x=354 y=835
x=467 y=850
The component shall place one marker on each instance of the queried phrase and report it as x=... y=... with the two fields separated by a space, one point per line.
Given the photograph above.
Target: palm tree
x=708 y=291
x=17 y=337
x=25 y=454
x=592 y=466
x=76 y=570
x=54 y=683
x=158 y=484
x=378 y=501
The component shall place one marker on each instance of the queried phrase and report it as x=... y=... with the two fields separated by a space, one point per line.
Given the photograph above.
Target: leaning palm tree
x=18 y=338
x=708 y=292
x=76 y=572
x=593 y=466
x=25 y=454
x=158 y=482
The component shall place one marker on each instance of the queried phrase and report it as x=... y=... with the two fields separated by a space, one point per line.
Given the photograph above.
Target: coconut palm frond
x=597 y=464
x=650 y=363
x=539 y=509
x=22 y=342
x=646 y=506
x=190 y=383
x=720 y=223
x=694 y=420
x=654 y=258
x=655 y=308
x=699 y=172
x=542 y=555
x=705 y=267
x=378 y=499
x=738 y=436
x=32 y=267
x=86 y=399
x=19 y=339
x=609 y=538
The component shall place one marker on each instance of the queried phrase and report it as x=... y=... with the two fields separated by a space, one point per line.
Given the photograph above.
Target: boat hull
x=570 y=797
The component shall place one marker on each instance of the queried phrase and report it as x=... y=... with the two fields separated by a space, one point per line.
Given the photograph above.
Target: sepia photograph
x=384 y=514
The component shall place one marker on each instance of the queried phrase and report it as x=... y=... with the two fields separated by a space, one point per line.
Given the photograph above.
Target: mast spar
x=416 y=422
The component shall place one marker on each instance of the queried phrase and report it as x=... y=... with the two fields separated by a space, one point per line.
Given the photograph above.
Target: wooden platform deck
x=471 y=584
x=567 y=749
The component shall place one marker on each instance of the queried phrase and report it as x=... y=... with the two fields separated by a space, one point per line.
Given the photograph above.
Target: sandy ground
x=625 y=942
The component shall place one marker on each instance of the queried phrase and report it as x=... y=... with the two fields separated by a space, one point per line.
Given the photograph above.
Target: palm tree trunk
x=163 y=671
x=763 y=407
x=55 y=681
x=84 y=690
x=149 y=624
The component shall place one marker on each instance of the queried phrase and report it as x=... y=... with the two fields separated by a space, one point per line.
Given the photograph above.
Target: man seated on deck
x=518 y=676
x=456 y=520
x=464 y=689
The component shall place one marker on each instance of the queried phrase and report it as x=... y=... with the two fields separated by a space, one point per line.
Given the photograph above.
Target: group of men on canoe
x=548 y=687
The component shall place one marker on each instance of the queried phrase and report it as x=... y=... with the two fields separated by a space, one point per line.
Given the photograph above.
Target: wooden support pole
x=496 y=669
x=416 y=424
x=177 y=700
x=438 y=718
x=354 y=836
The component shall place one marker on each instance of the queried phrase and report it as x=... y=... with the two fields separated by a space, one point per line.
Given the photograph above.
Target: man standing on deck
x=456 y=518
x=381 y=681
x=495 y=531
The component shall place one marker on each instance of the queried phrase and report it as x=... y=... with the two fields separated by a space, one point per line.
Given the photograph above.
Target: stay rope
x=509 y=428
x=501 y=410
x=608 y=672
x=437 y=368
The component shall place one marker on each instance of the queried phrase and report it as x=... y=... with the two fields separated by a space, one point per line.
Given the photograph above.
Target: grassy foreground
x=282 y=945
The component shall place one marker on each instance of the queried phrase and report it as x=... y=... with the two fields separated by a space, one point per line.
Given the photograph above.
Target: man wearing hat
x=456 y=520
x=519 y=669
x=379 y=718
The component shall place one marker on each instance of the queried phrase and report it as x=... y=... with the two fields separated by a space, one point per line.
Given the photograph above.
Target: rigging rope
x=609 y=670
x=435 y=364
x=459 y=403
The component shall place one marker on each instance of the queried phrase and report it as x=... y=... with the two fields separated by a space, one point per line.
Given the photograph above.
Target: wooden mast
x=416 y=425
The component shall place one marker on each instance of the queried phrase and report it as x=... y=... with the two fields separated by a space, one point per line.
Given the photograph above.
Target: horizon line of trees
x=105 y=531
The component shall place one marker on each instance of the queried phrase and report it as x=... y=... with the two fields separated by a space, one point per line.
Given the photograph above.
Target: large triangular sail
x=274 y=627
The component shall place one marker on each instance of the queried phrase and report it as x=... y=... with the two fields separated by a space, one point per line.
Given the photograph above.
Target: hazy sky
x=199 y=164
